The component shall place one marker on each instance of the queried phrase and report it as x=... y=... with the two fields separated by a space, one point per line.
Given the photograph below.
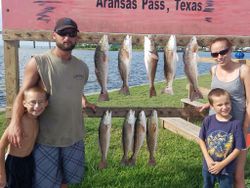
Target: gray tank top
x=61 y=124
x=237 y=91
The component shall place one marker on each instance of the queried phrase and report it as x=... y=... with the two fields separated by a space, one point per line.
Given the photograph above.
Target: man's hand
x=3 y=180
x=15 y=135
x=86 y=104
x=91 y=106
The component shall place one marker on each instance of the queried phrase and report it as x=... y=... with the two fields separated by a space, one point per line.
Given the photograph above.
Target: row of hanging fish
x=190 y=58
x=134 y=132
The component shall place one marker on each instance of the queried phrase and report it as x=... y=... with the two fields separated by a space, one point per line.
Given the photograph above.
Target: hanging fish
x=150 y=60
x=152 y=135
x=170 y=63
x=104 y=138
x=140 y=134
x=128 y=135
x=124 y=61
x=190 y=58
x=101 y=67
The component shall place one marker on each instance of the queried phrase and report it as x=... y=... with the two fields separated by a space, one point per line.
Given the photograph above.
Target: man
x=59 y=153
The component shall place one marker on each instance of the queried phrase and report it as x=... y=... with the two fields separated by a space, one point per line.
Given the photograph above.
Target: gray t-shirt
x=61 y=124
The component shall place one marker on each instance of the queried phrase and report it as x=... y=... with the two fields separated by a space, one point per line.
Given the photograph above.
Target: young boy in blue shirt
x=221 y=139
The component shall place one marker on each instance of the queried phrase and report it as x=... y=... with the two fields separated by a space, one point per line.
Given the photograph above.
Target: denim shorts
x=58 y=165
x=225 y=181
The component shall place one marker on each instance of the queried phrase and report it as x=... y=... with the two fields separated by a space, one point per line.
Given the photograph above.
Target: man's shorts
x=19 y=171
x=58 y=165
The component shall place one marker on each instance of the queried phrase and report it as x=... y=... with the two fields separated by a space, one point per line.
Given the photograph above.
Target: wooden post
x=11 y=73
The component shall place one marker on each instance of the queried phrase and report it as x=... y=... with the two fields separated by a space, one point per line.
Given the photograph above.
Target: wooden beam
x=116 y=38
x=162 y=111
x=11 y=73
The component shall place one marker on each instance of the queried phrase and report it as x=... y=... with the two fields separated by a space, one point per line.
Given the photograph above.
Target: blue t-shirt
x=221 y=139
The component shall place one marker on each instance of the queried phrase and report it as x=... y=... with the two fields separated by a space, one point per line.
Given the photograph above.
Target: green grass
x=179 y=161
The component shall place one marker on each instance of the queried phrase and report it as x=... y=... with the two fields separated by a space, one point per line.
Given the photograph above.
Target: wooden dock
x=181 y=127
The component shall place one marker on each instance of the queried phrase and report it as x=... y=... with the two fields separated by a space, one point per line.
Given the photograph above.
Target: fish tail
x=152 y=91
x=103 y=97
x=124 y=90
x=132 y=160
x=195 y=94
x=168 y=90
x=124 y=161
x=102 y=165
x=152 y=161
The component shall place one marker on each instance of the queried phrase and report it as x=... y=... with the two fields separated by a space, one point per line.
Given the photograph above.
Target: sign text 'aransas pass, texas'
x=189 y=17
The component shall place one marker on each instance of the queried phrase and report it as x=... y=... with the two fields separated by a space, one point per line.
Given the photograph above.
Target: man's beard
x=65 y=48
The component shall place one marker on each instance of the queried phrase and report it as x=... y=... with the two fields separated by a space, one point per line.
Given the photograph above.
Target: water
x=138 y=74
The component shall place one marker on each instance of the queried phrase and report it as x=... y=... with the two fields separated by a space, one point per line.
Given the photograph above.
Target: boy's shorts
x=58 y=165
x=19 y=171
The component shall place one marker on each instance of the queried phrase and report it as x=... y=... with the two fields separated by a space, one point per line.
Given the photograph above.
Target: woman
x=234 y=78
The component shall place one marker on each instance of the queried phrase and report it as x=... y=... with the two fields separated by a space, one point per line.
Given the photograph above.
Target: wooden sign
x=189 y=17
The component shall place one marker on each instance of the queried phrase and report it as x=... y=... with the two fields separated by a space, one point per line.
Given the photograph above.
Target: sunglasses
x=222 y=52
x=69 y=33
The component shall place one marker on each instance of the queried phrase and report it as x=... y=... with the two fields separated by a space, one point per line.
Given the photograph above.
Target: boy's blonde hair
x=217 y=92
x=37 y=90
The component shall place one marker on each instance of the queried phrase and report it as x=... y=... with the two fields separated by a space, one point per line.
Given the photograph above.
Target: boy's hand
x=216 y=168
x=210 y=163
